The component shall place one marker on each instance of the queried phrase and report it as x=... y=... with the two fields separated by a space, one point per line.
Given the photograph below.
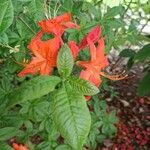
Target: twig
x=144 y=26
x=128 y=6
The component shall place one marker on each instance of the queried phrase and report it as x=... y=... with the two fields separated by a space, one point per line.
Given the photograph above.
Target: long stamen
x=55 y=8
x=24 y=63
x=46 y=10
x=115 y=77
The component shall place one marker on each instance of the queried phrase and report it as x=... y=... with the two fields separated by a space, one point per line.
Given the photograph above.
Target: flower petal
x=19 y=147
x=91 y=76
x=103 y=61
x=32 y=68
x=93 y=50
x=74 y=48
x=57 y=25
x=51 y=27
x=71 y=25
x=63 y=18
x=93 y=36
x=44 y=48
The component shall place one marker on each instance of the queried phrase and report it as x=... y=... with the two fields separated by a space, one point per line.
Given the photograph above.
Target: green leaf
x=115 y=23
x=114 y=11
x=33 y=89
x=7 y=133
x=5 y=146
x=144 y=85
x=46 y=145
x=63 y=147
x=36 y=9
x=3 y=38
x=67 y=5
x=82 y=86
x=112 y=117
x=127 y=53
x=39 y=110
x=12 y=120
x=71 y=116
x=143 y=53
x=101 y=138
x=23 y=30
x=65 y=61
x=6 y=14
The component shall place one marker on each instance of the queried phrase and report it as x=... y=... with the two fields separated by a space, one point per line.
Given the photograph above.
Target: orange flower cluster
x=45 y=52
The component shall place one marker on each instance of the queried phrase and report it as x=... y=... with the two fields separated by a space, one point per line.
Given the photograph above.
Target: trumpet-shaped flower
x=92 y=36
x=97 y=62
x=45 y=56
x=57 y=25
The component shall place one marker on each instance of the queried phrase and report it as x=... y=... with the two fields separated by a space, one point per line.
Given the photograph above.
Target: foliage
x=102 y=123
x=141 y=56
x=53 y=108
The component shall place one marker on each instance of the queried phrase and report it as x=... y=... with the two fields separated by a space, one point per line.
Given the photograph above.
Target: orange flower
x=98 y=61
x=45 y=56
x=93 y=67
x=19 y=147
x=74 y=48
x=57 y=25
x=93 y=36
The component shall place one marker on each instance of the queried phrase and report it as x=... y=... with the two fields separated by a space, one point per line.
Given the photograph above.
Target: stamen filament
x=114 y=77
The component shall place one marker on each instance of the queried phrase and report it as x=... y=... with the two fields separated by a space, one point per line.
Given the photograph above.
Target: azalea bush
x=53 y=62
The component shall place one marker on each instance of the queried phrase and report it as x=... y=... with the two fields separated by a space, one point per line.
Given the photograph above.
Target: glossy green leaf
x=71 y=116
x=63 y=147
x=143 y=53
x=83 y=86
x=46 y=145
x=7 y=133
x=65 y=61
x=144 y=85
x=127 y=53
x=33 y=89
x=6 y=14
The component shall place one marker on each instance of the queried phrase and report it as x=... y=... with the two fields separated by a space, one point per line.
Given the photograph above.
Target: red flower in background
x=58 y=25
x=45 y=56
x=19 y=147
